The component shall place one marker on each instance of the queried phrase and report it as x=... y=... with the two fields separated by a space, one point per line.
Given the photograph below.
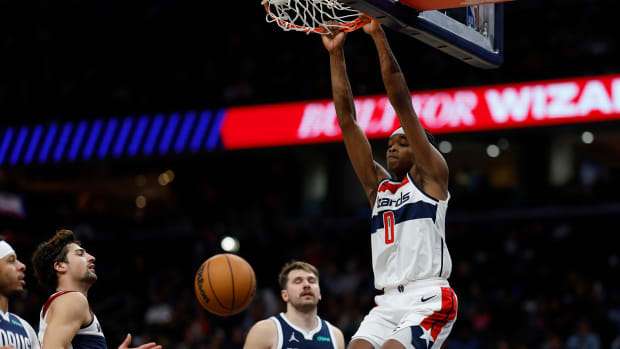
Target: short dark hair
x=52 y=251
x=295 y=265
x=429 y=137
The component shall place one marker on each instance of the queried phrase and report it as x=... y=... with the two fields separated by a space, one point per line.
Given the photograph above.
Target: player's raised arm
x=263 y=335
x=356 y=142
x=430 y=163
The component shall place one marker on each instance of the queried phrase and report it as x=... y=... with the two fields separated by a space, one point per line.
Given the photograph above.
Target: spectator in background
x=583 y=338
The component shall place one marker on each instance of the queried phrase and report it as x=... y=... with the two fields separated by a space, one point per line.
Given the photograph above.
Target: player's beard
x=18 y=294
x=304 y=307
x=90 y=277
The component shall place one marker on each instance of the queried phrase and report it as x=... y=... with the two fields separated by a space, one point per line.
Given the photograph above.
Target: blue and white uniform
x=17 y=332
x=293 y=337
x=408 y=235
x=411 y=265
x=89 y=336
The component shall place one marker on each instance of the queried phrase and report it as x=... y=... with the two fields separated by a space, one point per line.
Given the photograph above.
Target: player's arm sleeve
x=263 y=335
x=66 y=315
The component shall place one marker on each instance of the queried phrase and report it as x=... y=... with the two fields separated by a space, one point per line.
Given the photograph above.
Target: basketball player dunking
x=299 y=327
x=410 y=259
x=15 y=332
x=67 y=320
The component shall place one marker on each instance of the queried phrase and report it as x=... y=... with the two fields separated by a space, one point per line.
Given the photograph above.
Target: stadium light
x=230 y=244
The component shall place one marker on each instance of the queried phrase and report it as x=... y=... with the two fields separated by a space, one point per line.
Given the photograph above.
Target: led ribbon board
x=506 y=106
x=445 y=111
x=111 y=138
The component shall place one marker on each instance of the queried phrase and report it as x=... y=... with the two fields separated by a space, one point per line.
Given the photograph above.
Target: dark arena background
x=533 y=220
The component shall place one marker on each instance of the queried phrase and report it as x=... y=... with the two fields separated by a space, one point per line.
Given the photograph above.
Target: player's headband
x=399 y=131
x=5 y=249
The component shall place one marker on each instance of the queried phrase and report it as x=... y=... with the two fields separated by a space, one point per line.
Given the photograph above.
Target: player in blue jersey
x=410 y=259
x=67 y=320
x=299 y=327
x=15 y=332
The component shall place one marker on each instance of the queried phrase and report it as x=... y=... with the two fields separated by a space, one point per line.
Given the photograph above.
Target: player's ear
x=284 y=295
x=60 y=266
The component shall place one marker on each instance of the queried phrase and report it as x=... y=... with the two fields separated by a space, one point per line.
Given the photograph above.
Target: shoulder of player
x=372 y=188
x=434 y=186
x=436 y=171
x=339 y=336
x=70 y=304
x=266 y=326
x=21 y=320
x=334 y=329
x=71 y=297
x=381 y=173
x=263 y=335
x=31 y=332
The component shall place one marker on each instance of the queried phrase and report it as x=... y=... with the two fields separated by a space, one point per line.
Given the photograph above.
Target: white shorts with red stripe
x=419 y=315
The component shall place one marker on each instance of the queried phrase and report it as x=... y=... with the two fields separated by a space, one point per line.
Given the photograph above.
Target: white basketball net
x=314 y=16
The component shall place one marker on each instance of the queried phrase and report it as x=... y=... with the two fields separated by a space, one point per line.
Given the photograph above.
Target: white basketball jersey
x=408 y=235
x=17 y=332
x=89 y=336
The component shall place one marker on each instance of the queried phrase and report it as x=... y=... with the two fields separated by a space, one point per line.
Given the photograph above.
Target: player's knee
x=360 y=344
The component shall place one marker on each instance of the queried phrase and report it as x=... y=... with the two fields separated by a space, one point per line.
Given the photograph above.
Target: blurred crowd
x=546 y=283
x=534 y=266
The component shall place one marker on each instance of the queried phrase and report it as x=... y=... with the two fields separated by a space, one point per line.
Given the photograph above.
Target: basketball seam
x=251 y=285
x=199 y=282
x=211 y=286
x=232 y=279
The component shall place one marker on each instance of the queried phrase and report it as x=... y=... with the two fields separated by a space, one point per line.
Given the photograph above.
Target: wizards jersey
x=89 y=336
x=293 y=337
x=17 y=332
x=408 y=235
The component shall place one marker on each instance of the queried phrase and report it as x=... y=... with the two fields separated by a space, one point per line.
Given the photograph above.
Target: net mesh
x=314 y=16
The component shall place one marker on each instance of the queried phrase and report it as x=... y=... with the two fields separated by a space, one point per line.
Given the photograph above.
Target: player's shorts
x=419 y=314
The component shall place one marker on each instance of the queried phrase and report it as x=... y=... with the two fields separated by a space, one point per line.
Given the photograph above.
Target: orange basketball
x=225 y=284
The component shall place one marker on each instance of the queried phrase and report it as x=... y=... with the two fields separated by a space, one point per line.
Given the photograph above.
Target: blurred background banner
x=538 y=103
x=531 y=104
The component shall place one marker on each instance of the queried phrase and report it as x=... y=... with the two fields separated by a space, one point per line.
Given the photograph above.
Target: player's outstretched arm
x=428 y=159
x=263 y=335
x=356 y=142
x=127 y=342
x=65 y=316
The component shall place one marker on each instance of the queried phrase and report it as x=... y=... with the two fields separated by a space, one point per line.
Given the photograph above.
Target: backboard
x=473 y=34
